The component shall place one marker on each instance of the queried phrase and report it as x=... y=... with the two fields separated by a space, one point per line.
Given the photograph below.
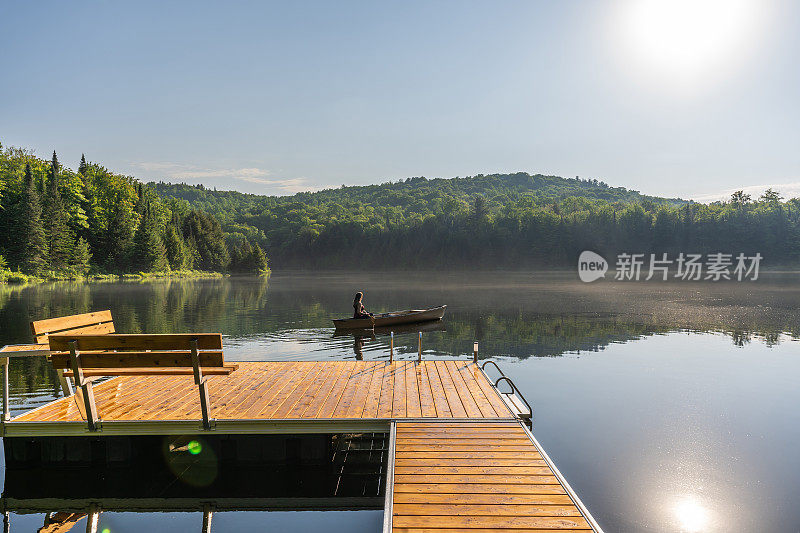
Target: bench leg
x=67 y=390
x=80 y=402
x=87 y=393
x=66 y=386
x=204 y=403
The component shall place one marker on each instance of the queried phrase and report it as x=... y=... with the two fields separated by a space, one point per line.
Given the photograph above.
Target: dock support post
x=93 y=518
x=419 y=356
x=475 y=352
x=388 y=489
x=87 y=392
x=208 y=514
x=391 y=346
x=200 y=381
x=6 y=408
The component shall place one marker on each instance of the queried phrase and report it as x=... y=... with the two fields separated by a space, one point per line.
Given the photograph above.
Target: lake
x=668 y=406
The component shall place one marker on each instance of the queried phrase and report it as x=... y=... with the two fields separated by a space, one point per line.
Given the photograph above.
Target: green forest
x=493 y=221
x=56 y=223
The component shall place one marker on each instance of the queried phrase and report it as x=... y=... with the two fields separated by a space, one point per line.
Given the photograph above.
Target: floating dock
x=459 y=456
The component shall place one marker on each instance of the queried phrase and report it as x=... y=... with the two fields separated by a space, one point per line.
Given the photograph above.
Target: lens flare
x=194 y=447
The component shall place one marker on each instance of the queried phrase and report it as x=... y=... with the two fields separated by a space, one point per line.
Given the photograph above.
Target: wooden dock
x=459 y=458
x=483 y=476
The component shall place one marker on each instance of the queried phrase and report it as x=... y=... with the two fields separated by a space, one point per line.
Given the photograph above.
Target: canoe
x=431 y=325
x=390 y=319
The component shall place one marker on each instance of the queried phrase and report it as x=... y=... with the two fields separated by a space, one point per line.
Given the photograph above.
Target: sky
x=677 y=98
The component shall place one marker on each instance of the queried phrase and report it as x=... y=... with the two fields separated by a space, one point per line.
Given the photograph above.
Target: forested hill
x=496 y=189
x=55 y=221
x=492 y=221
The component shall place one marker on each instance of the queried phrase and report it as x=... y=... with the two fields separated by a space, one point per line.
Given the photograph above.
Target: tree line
x=55 y=220
x=58 y=223
x=494 y=221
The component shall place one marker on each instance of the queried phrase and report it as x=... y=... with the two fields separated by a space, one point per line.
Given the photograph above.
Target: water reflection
x=691 y=515
x=668 y=407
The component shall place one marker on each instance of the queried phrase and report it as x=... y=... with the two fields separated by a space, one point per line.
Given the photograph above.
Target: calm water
x=668 y=406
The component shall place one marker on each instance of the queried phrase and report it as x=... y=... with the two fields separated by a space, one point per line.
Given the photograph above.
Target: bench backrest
x=137 y=351
x=95 y=323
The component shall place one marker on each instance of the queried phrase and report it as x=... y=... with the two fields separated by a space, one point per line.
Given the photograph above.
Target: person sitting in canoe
x=358 y=308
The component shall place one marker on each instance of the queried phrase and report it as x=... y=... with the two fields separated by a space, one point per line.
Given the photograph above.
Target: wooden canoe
x=390 y=319
x=431 y=325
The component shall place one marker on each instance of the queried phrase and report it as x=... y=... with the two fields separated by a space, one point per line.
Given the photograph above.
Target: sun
x=687 y=39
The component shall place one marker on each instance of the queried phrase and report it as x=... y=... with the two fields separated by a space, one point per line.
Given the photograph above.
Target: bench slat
x=50 y=325
x=181 y=341
x=207 y=371
x=182 y=359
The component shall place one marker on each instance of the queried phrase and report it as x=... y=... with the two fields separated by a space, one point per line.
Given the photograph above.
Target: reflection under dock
x=74 y=477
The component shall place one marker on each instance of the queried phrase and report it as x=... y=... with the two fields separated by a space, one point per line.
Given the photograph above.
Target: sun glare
x=685 y=39
x=691 y=515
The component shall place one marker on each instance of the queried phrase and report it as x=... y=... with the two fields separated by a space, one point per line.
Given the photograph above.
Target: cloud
x=207 y=176
x=787 y=190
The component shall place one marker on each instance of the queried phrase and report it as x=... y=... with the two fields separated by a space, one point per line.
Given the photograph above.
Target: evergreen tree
x=235 y=251
x=83 y=166
x=206 y=234
x=34 y=242
x=150 y=252
x=140 y=204
x=260 y=264
x=118 y=240
x=81 y=257
x=178 y=254
x=59 y=237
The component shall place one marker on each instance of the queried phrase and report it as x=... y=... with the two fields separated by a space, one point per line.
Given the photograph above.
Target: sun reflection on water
x=691 y=515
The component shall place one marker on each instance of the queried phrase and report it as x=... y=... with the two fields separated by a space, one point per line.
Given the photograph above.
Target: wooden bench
x=95 y=322
x=86 y=357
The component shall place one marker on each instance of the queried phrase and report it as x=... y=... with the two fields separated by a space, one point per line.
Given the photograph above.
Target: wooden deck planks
x=305 y=389
x=462 y=462
x=476 y=477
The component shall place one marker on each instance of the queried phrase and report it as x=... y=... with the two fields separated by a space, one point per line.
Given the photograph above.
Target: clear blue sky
x=277 y=97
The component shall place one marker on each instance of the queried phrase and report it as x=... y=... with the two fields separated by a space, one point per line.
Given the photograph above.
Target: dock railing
x=12 y=351
x=419 y=348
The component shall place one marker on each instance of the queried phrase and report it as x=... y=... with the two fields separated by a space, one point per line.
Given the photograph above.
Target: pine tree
x=260 y=263
x=83 y=166
x=118 y=240
x=140 y=203
x=177 y=251
x=81 y=256
x=205 y=232
x=235 y=251
x=34 y=249
x=151 y=254
x=59 y=237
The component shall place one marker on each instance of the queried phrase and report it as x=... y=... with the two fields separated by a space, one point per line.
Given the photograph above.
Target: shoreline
x=20 y=279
